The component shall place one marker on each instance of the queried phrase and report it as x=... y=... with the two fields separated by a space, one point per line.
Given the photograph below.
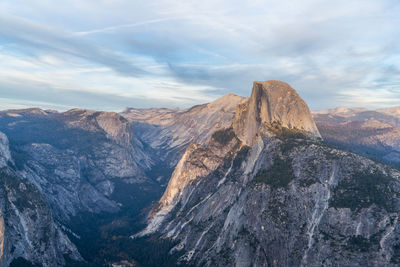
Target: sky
x=113 y=54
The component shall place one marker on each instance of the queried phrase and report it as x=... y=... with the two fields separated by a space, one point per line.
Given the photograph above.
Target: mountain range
x=372 y=133
x=256 y=181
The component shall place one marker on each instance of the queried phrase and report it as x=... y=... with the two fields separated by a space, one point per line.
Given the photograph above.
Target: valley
x=237 y=181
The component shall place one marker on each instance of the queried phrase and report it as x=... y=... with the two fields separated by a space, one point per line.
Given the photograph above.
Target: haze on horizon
x=112 y=54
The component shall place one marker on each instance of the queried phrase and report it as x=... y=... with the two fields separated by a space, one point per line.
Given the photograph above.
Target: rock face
x=28 y=231
x=5 y=155
x=78 y=158
x=252 y=184
x=169 y=131
x=277 y=196
x=273 y=102
x=174 y=127
x=370 y=133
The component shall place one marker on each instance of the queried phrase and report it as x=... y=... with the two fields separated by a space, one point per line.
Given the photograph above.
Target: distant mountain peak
x=273 y=102
x=341 y=111
x=26 y=111
x=393 y=111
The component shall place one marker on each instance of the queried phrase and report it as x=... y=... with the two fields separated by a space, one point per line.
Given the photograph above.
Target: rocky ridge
x=370 y=133
x=76 y=158
x=169 y=131
x=28 y=232
x=278 y=196
x=252 y=184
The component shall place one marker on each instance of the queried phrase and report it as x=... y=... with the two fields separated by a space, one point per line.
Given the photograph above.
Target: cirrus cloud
x=180 y=53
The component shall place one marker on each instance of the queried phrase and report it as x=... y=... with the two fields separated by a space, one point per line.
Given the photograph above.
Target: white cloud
x=26 y=78
x=187 y=52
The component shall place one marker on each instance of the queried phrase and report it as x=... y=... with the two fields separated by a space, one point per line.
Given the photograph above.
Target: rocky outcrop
x=253 y=185
x=278 y=196
x=5 y=155
x=115 y=126
x=174 y=127
x=77 y=158
x=169 y=131
x=27 y=228
x=273 y=102
x=197 y=161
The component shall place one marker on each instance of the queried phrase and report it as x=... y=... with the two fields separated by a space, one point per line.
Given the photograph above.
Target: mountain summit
x=273 y=102
x=269 y=192
x=250 y=183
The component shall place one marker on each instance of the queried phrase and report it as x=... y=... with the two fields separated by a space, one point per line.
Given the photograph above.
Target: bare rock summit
x=273 y=102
